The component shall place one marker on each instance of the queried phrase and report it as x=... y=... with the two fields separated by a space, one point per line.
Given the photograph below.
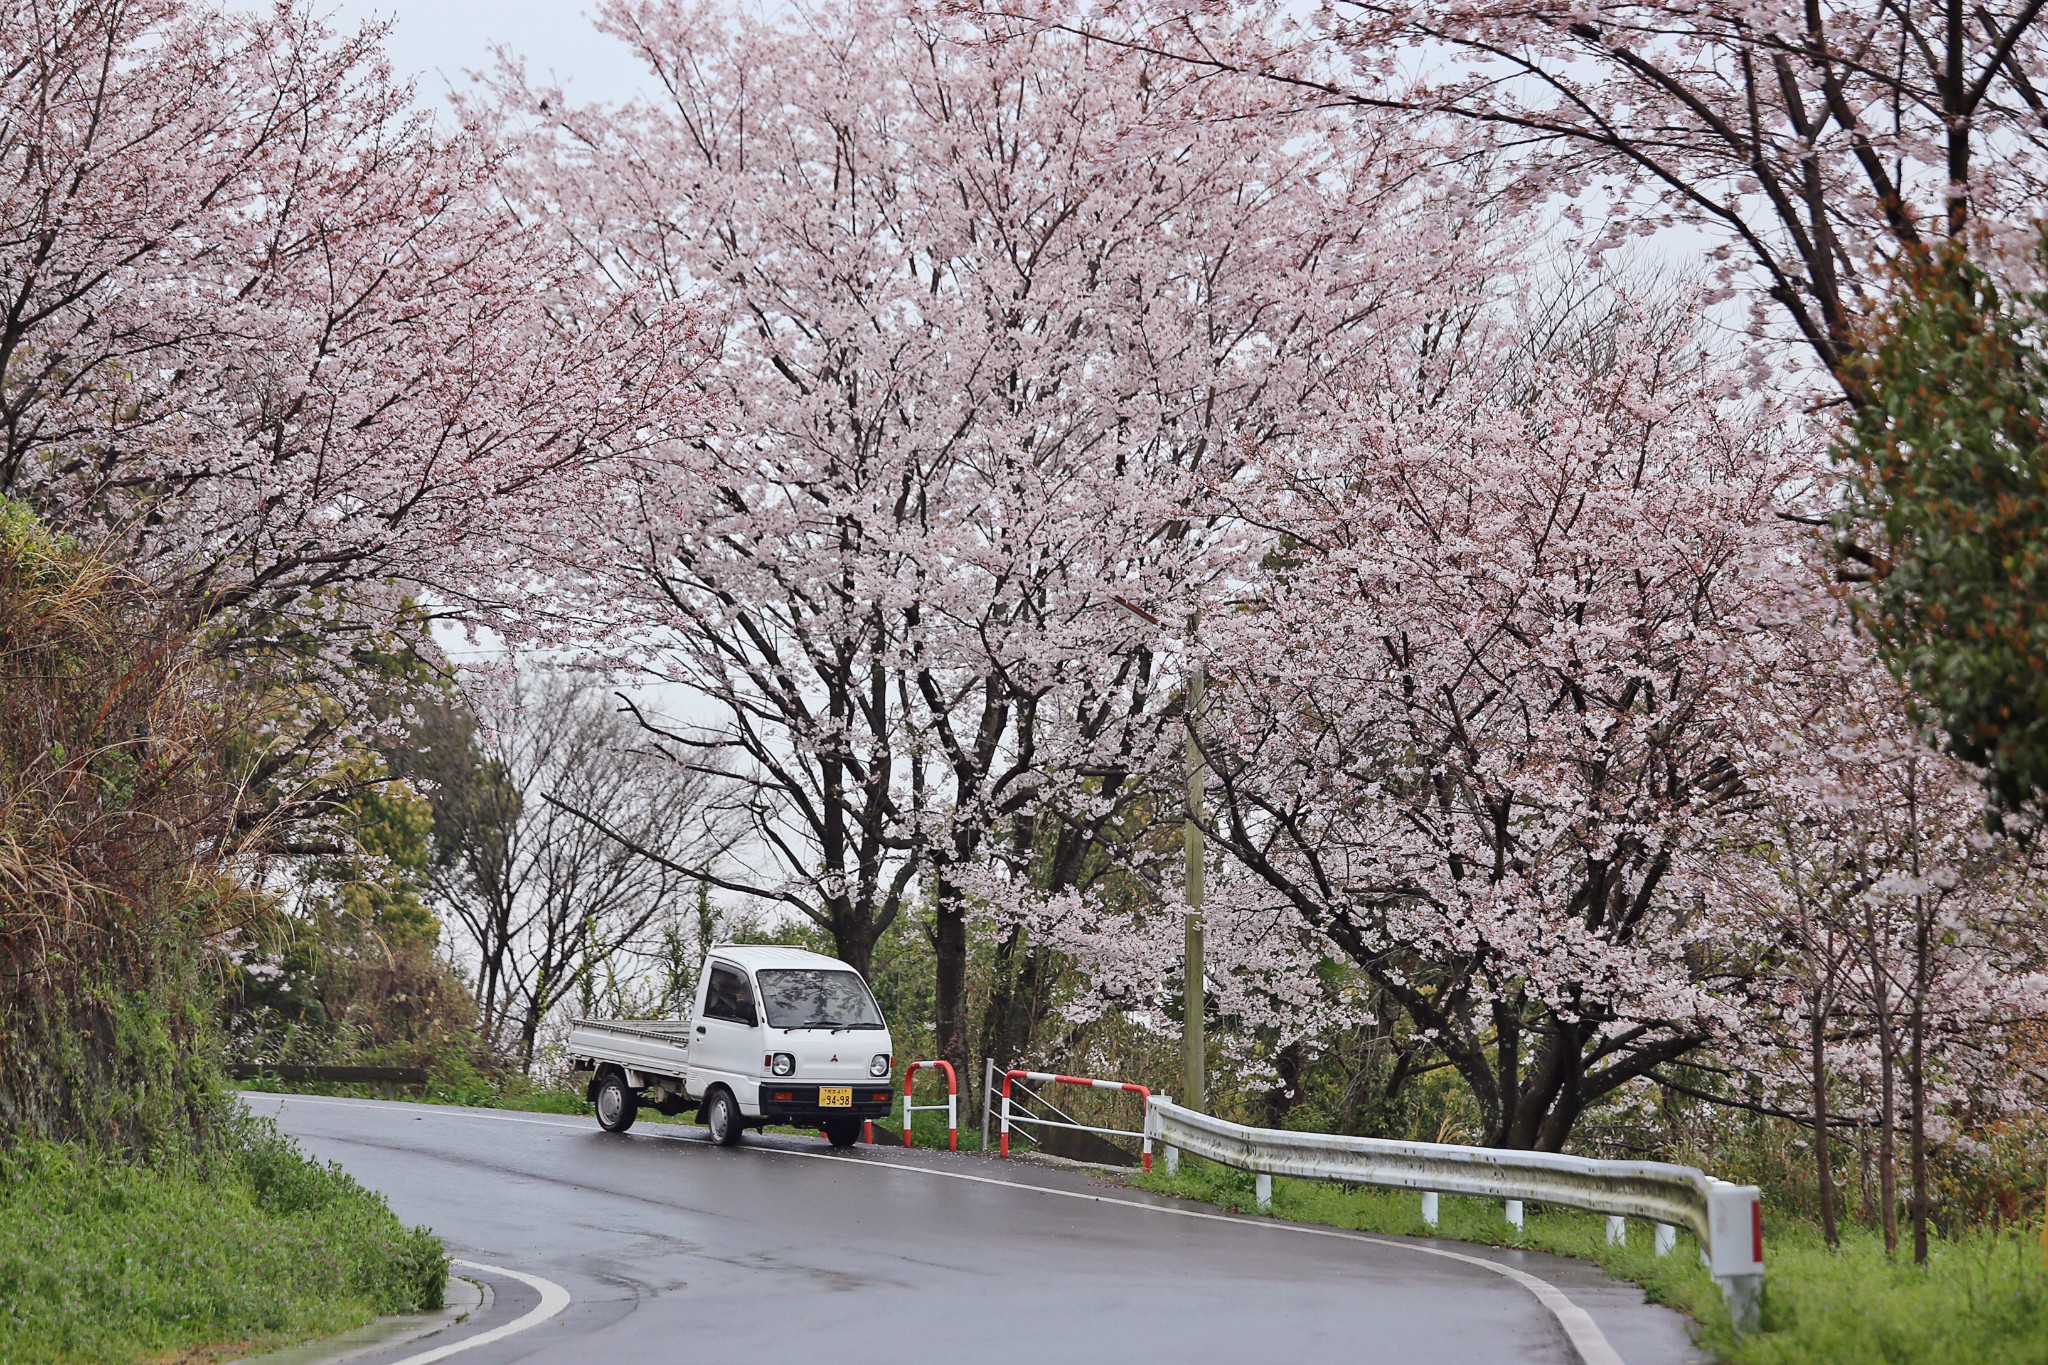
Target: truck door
x=726 y=1045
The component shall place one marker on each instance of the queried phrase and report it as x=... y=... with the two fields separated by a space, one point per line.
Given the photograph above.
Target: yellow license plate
x=835 y=1097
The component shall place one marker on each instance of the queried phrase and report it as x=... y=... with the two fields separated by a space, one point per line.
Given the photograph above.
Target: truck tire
x=842 y=1132
x=616 y=1106
x=722 y=1117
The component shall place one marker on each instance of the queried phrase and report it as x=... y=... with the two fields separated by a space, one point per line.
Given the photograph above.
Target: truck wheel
x=722 y=1118
x=842 y=1132
x=616 y=1107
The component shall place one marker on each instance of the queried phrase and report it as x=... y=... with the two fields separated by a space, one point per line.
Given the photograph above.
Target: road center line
x=1586 y=1338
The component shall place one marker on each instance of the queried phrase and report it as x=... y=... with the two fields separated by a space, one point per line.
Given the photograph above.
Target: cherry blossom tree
x=992 y=314
x=1902 y=941
x=271 y=339
x=1475 y=724
x=1814 y=142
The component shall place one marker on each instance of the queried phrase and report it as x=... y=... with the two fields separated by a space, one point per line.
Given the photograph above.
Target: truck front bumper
x=797 y=1103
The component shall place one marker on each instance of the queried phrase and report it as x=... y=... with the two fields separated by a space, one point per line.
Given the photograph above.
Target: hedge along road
x=668 y=1247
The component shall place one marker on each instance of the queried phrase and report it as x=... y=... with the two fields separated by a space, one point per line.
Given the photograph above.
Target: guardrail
x=292 y=1071
x=1726 y=1218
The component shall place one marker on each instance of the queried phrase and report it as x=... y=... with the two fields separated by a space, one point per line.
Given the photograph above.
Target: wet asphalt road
x=672 y=1250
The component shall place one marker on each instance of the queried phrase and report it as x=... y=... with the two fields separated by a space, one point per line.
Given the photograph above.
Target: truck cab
x=778 y=1035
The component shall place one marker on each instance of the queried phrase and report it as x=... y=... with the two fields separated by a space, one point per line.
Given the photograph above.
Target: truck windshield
x=807 y=997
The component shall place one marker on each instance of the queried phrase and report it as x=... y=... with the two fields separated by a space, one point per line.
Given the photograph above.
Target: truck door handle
x=700 y=1028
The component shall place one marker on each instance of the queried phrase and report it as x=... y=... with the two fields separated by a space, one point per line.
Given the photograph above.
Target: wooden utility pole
x=1194 y=1065
x=1193 y=1061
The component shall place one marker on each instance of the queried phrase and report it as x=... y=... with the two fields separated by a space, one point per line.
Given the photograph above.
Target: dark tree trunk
x=853 y=937
x=1887 y=1119
x=1864 y=1211
x=1549 y=1100
x=1824 y=1175
x=1011 y=1018
x=1281 y=1097
x=949 y=946
x=1916 y=1089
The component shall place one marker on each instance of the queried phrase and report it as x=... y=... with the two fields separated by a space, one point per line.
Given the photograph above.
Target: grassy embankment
x=1981 y=1300
x=108 y=1262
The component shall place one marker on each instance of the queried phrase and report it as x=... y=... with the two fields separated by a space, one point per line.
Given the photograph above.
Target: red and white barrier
x=1087 y=1082
x=951 y=1106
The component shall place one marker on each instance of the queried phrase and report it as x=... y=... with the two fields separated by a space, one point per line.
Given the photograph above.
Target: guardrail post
x=1735 y=1249
x=1667 y=1238
x=1617 y=1231
x=1515 y=1214
x=1263 y=1183
x=1429 y=1208
x=1152 y=1127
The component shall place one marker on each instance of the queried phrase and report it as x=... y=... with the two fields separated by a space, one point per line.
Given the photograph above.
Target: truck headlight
x=782 y=1064
x=879 y=1066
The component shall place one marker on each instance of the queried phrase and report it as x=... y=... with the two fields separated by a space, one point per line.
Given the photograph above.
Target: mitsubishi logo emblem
x=835 y=1056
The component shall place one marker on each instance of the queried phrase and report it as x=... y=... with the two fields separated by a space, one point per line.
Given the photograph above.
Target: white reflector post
x=1735 y=1249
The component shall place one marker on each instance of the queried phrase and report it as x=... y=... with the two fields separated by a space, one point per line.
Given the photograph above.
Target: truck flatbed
x=657 y=1046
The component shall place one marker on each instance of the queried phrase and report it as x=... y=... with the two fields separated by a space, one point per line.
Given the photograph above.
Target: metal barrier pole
x=952 y=1103
x=1006 y=1115
x=988 y=1093
x=1617 y=1231
x=1429 y=1208
x=1667 y=1238
x=1515 y=1214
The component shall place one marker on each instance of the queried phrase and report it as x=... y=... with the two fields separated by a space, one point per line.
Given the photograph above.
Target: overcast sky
x=439 y=40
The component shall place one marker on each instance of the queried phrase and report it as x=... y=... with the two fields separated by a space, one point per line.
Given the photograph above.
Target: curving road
x=669 y=1249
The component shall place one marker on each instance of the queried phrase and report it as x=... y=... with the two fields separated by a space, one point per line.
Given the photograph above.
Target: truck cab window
x=729 y=997
x=809 y=998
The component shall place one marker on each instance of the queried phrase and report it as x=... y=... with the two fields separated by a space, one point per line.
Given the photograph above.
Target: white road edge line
x=553 y=1299
x=1585 y=1335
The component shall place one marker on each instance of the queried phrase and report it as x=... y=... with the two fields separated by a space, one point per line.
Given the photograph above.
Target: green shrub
x=104 y=1261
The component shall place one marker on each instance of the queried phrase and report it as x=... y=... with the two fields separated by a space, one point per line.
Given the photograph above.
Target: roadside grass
x=1982 y=1299
x=256 y=1246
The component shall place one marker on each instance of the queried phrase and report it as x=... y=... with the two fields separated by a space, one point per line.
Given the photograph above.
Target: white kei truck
x=779 y=1035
